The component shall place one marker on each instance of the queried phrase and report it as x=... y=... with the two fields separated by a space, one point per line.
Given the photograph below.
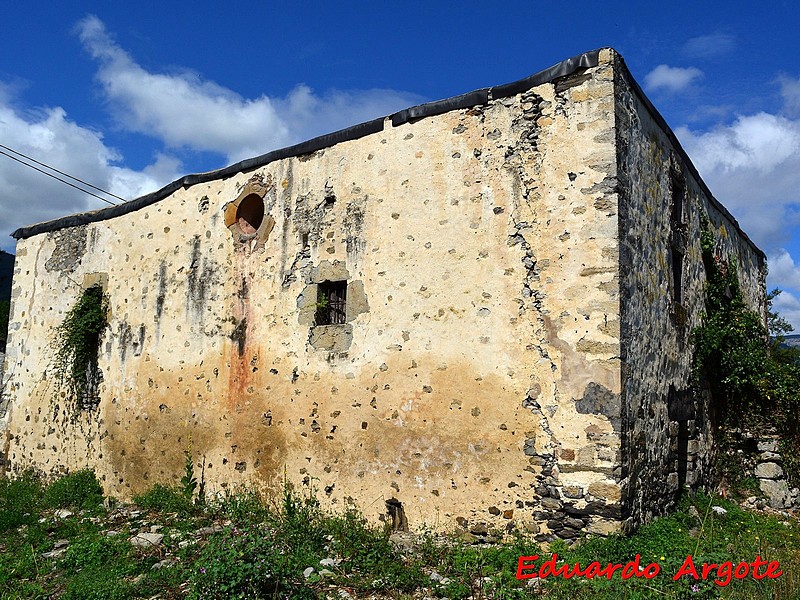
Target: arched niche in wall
x=247 y=217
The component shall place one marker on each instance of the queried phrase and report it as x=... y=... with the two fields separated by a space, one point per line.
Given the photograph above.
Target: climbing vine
x=752 y=382
x=76 y=344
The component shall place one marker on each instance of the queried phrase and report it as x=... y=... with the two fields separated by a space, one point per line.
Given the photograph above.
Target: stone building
x=474 y=311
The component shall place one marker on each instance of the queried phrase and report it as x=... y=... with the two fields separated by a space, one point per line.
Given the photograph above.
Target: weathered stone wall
x=760 y=457
x=476 y=378
x=668 y=441
x=505 y=358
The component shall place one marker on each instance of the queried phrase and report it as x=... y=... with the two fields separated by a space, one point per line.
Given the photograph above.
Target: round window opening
x=249 y=214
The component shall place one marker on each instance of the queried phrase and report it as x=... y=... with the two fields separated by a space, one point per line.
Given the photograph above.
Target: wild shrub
x=372 y=561
x=244 y=506
x=752 y=382
x=79 y=490
x=98 y=583
x=243 y=563
x=76 y=343
x=266 y=556
x=478 y=571
x=162 y=498
x=95 y=551
x=19 y=500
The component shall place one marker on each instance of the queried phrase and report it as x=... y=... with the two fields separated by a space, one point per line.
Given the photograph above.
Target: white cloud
x=759 y=142
x=180 y=110
x=790 y=91
x=184 y=110
x=709 y=46
x=784 y=274
x=788 y=306
x=671 y=79
x=783 y=271
x=753 y=166
x=50 y=137
x=308 y=115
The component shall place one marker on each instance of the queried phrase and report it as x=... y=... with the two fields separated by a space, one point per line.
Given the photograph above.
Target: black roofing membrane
x=468 y=100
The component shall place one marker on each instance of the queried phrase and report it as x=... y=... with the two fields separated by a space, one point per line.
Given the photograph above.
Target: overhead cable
x=22 y=162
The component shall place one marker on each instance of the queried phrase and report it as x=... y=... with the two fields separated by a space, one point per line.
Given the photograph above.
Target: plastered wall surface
x=478 y=378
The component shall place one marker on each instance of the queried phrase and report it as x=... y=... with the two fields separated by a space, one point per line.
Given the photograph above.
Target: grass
x=80 y=490
x=161 y=498
x=244 y=546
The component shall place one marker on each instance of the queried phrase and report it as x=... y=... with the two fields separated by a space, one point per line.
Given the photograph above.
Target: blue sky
x=130 y=97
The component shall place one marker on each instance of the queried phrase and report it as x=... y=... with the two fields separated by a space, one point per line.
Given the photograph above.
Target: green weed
x=98 y=583
x=161 y=498
x=265 y=550
x=76 y=342
x=19 y=501
x=96 y=552
x=244 y=506
x=79 y=490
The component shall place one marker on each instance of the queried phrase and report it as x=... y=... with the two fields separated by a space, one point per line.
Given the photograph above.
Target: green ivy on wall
x=753 y=383
x=76 y=345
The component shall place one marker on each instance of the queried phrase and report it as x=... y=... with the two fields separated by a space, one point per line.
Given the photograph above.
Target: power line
x=94 y=187
x=59 y=178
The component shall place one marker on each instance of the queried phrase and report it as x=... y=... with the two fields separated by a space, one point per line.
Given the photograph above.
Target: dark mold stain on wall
x=201 y=278
x=354 y=227
x=162 y=290
x=239 y=336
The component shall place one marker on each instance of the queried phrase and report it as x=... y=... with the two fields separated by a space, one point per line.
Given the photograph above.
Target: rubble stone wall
x=668 y=442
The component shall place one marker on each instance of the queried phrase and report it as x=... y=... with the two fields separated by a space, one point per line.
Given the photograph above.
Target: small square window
x=331 y=303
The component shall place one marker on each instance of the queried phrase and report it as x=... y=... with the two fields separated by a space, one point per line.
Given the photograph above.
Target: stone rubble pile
x=771 y=476
x=760 y=456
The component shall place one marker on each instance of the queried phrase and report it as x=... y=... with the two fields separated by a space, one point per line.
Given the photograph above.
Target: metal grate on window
x=332 y=303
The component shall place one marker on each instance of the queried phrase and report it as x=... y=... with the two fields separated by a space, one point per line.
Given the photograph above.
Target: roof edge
x=468 y=100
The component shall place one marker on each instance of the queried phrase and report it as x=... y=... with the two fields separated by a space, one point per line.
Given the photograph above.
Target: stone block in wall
x=692 y=478
x=673 y=482
x=603 y=527
x=768 y=446
x=607 y=490
x=768 y=470
x=777 y=493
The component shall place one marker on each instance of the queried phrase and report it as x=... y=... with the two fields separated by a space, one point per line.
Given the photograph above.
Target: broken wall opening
x=250 y=214
x=76 y=346
x=396 y=514
x=247 y=217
